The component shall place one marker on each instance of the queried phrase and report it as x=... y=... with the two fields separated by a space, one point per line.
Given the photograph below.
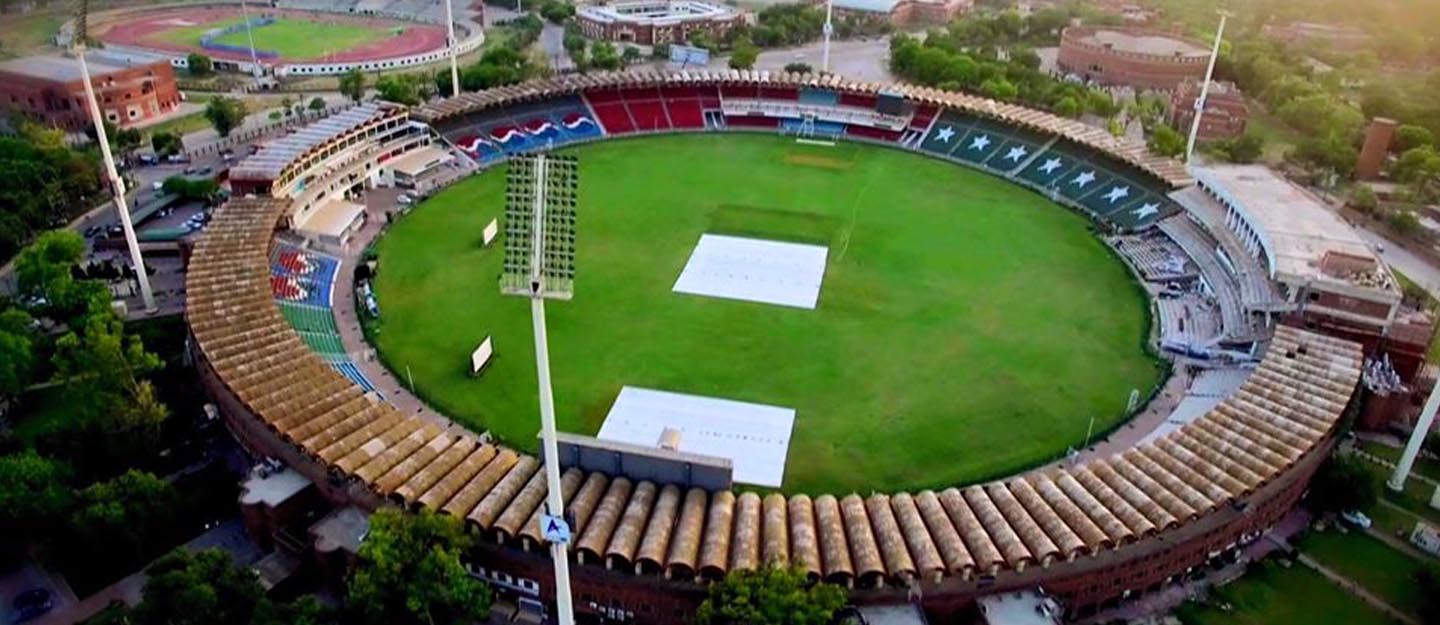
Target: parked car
x=1356 y=518
x=31 y=604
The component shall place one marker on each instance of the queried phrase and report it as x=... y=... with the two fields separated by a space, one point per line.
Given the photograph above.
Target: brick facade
x=1225 y=110
x=127 y=95
x=1081 y=55
x=648 y=30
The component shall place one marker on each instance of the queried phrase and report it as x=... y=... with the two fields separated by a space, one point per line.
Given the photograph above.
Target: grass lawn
x=23 y=34
x=1428 y=467
x=1381 y=569
x=967 y=328
x=1273 y=595
x=291 y=37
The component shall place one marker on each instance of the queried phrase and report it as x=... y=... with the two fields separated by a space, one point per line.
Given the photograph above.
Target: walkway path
x=1357 y=590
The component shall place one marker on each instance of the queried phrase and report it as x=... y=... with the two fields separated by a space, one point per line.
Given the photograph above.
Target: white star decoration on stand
x=1147 y=209
x=981 y=142
x=1016 y=153
x=945 y=134
x=1084 y=179
x=1117 y=193
x=1051 y=164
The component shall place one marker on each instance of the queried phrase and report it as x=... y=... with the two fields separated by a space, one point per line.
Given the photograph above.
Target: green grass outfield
x=291 y=37
x=967 y=328
x=1270 y=594
x=1386 y=572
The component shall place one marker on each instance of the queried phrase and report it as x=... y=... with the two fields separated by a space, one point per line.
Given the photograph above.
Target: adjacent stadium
x=937 y=290
x=925 y=300
x=290 y=38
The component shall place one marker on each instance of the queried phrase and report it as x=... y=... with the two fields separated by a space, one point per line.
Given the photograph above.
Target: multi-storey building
x=50 y=89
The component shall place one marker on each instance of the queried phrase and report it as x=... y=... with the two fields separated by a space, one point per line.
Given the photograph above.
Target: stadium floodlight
x=250 y=35
x=1205 y=89
x=117 y=185
x=539 y=263
x=454 y=64
x=827 y=30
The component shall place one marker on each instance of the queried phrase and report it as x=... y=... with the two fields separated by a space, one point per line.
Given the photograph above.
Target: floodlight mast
x=454 y=63
x=539 y=288
x=1205 y=89
x=827 y=30
x=117 y=185
x=250 y=35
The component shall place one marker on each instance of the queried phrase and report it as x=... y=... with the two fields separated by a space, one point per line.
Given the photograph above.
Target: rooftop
x=60 y=68
x=274 y=157
x=873 y=6
x=1141 y=43
x=272 y=489
x=1306 y=239
x=1019 y=608
x=344 y=529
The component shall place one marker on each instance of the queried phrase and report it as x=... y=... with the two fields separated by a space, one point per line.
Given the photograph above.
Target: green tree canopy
x=604 y=56
x=34 y=498
x=352 y=84
x=744 y=54
x=17 y=354
x=410 y=573
x=131 y=517
x=199 y=64
x=225 y=114
x=1342 y=484
x=317 y=103
x=166 y=143
x=770 y=596
x=1409 y=137
x=1166 y=141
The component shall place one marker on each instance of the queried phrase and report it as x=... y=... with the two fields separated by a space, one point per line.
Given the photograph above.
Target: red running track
x=139 y=31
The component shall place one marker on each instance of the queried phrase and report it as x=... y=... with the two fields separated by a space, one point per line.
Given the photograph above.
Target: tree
x=1403 y=222
x=317 y=104
x=166 y=143
x=33 y=500
x=202 y=189
x=410 y=573
x=799 y=68
x=1408 y=137
x=1363 y=199
x=17 y=354
x=1342 y=484
x=1322 y=113
x=131 y=516
x=1166 y=141
x=557 y=11
x=225 y=114
x=199 y=64
x=1068 y=106
x=1328 y=151
x=42 y=272
x=352 y=84
x=744 y=54
x=1417 y=165
x=1247 y=148
x=770 y=596
x=400 y=88
x=630 y=55
x=604 y=56
x=198 y=588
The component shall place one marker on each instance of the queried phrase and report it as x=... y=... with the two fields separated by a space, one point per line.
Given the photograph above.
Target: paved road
x=858 y=59
x=552 y=41
x=1414 y=267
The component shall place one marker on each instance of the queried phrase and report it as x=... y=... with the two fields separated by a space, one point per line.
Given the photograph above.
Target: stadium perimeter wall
x=280 y=401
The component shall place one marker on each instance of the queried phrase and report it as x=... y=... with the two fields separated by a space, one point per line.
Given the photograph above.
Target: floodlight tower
x=117 y=185
x=250 y=35
x=539 y=263
x=1205 y=88
x=454 y=64
x=827 y=30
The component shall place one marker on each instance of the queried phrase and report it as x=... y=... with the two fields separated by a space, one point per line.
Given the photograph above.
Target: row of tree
x=43 y=183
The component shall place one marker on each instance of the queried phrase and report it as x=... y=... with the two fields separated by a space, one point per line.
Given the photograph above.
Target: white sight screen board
x=754 y=270
x=755 y=437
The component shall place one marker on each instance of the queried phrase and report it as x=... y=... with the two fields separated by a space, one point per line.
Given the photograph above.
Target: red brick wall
x=126 y=97
x=1112 y=67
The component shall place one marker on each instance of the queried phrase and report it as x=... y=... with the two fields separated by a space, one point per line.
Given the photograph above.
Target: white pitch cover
x=755 y=437
x=755 y=270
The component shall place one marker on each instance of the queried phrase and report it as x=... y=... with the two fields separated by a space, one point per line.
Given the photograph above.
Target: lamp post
x=250 y=35
x=539 y=263
x=117 y=185
x=1205 y=89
